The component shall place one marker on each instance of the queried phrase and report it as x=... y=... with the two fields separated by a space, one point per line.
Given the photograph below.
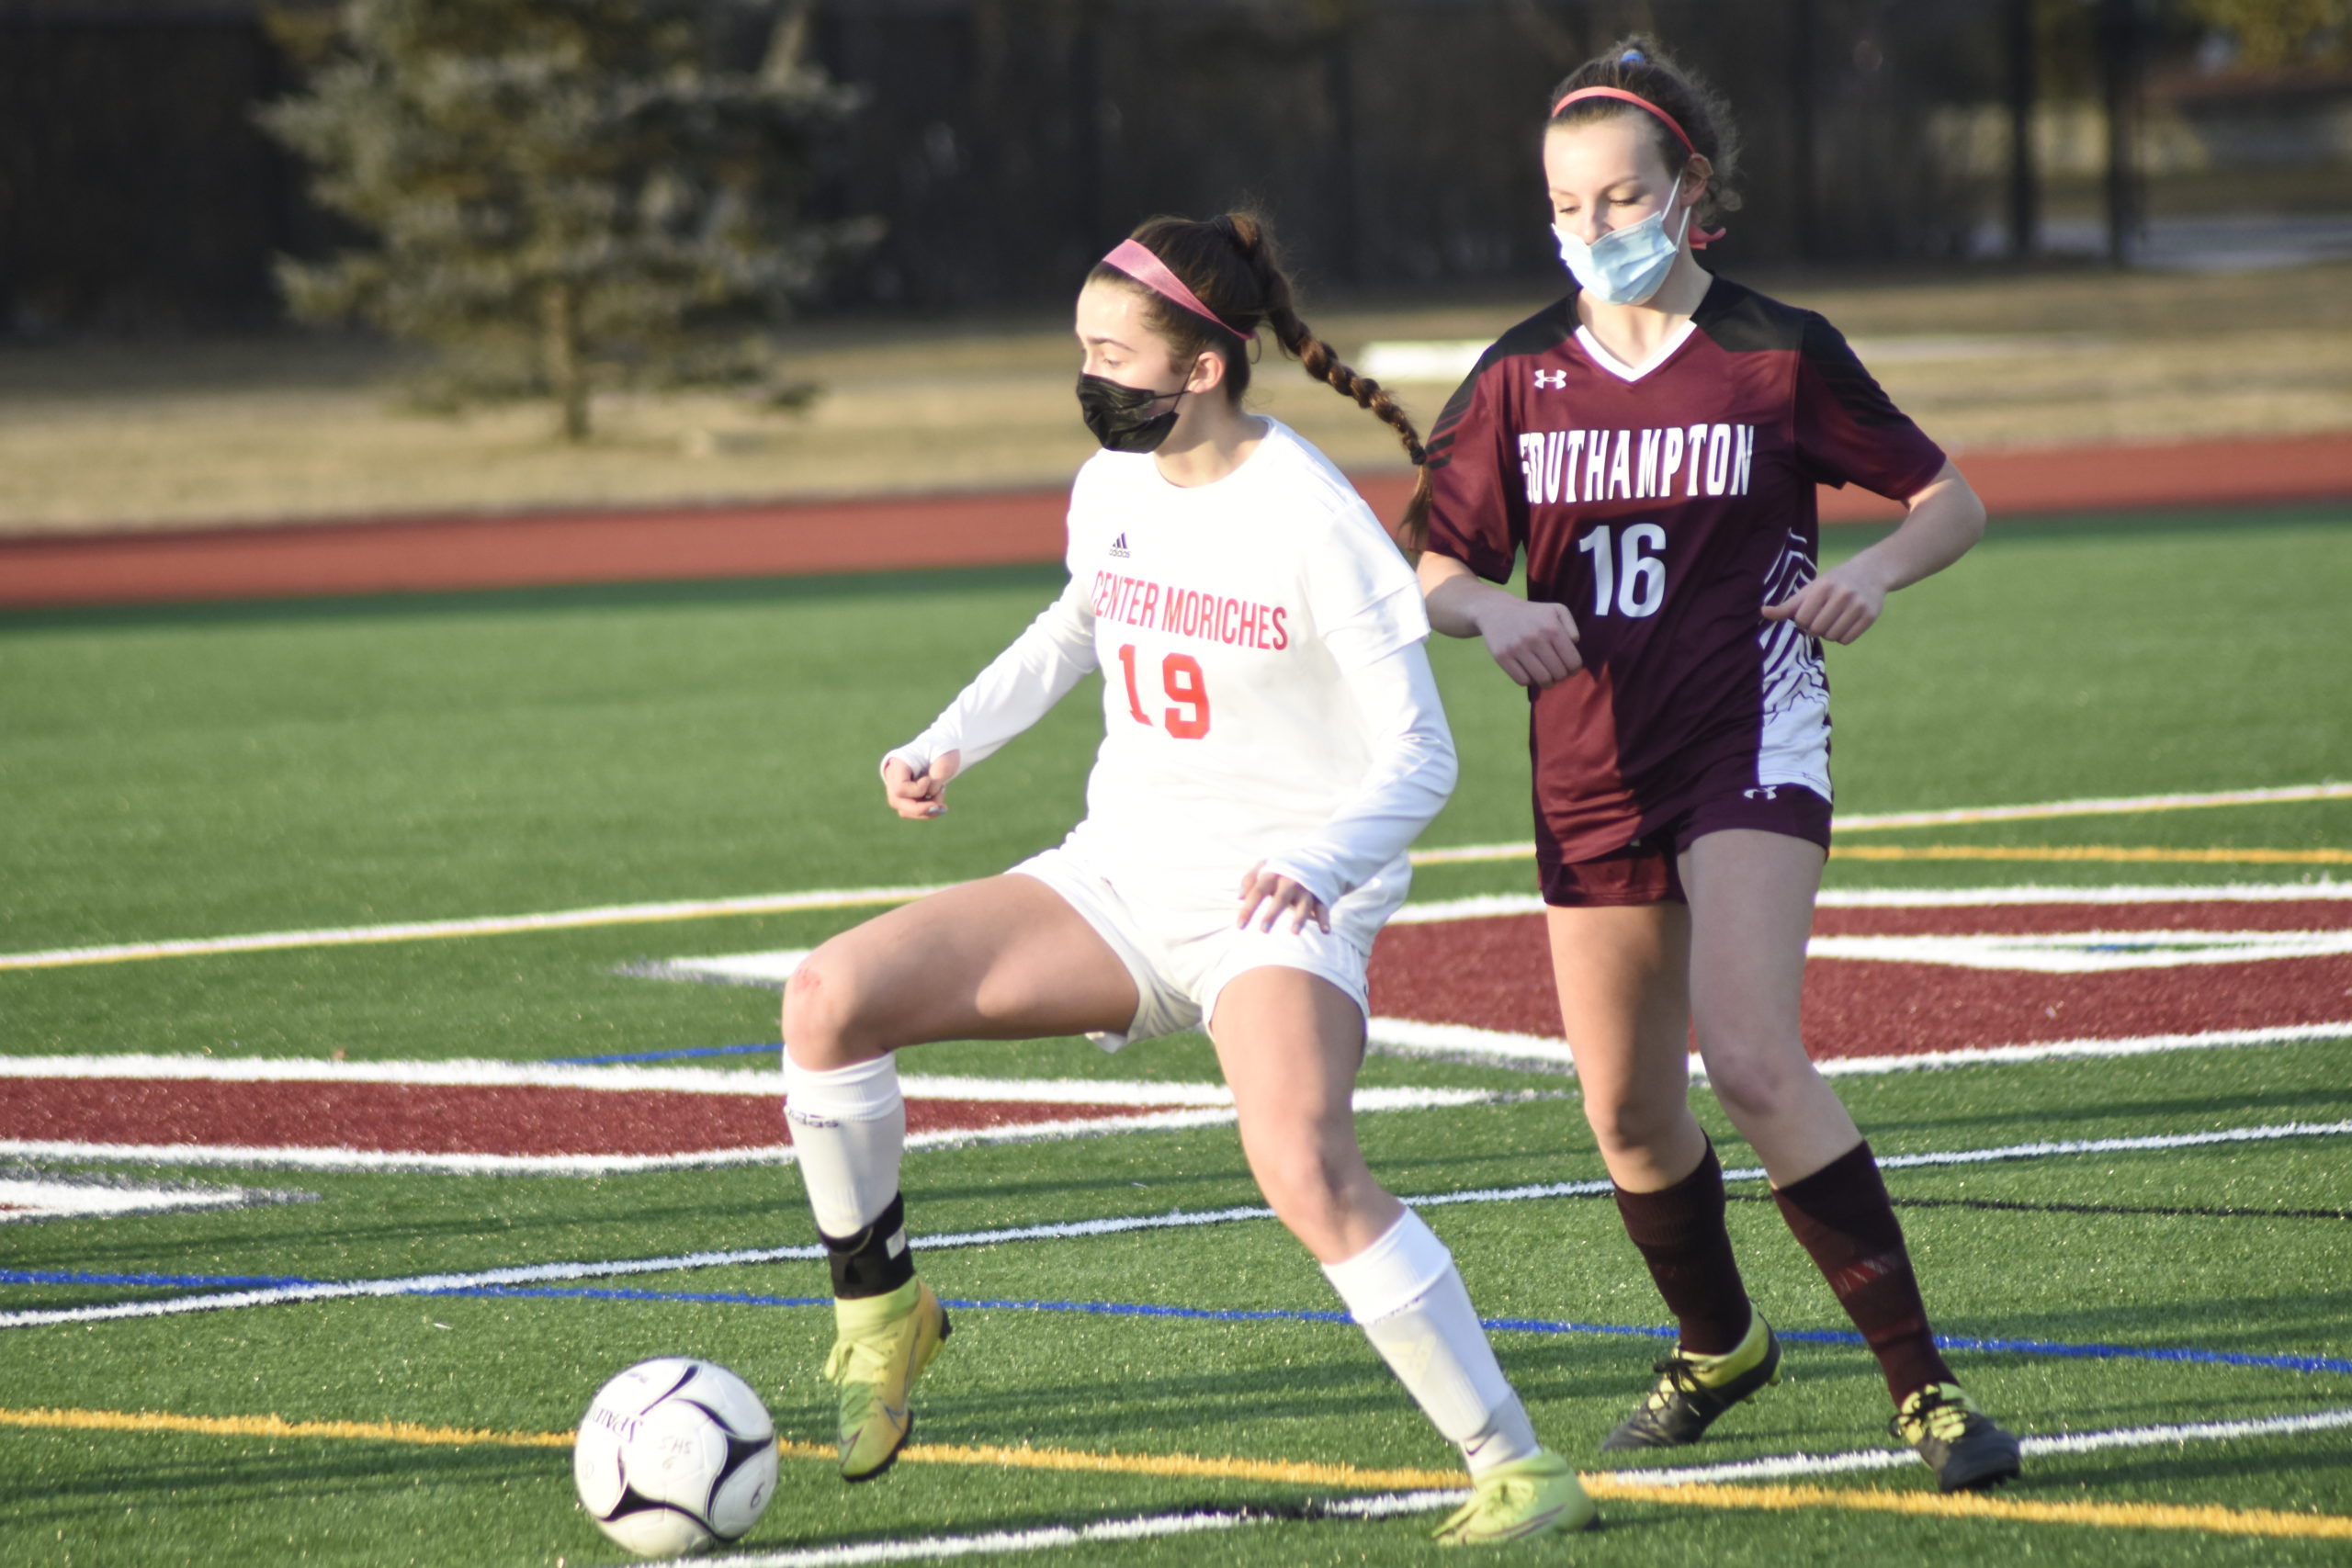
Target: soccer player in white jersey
x=1272 y=743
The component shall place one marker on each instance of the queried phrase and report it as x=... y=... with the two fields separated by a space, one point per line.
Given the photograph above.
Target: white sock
x=849 y=1129
x=1408 y=1298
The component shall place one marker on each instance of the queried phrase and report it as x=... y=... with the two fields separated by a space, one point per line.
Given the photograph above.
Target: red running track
x=451 y=553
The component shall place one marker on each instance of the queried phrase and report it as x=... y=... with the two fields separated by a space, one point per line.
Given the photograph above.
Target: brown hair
x=1231 y=265
x=1637 y=64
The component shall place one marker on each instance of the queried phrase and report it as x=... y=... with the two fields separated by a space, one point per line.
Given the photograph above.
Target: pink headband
x=1138 y=262
x=1619 y=92
x=1698 y=237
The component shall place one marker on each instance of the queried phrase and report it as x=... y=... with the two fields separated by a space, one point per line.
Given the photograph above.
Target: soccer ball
x=674 y=1454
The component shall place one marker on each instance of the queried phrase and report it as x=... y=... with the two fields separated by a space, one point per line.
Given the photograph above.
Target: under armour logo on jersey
x=1763 y=792
x=1557 y=379
x=1119 y=547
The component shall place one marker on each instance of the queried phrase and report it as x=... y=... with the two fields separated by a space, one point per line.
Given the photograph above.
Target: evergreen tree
x=565 y=191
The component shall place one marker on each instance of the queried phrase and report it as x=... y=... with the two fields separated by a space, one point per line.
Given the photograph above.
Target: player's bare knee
x=1625 y=1122
x=820 y=1013
x=1758 y=1084
x=1306 y=1186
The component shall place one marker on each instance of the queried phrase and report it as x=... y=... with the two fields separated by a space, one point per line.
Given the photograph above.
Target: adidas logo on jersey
x=1555 y=379
x=1119 y=547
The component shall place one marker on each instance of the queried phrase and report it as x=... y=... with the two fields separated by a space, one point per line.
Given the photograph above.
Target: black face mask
x=1116 y=415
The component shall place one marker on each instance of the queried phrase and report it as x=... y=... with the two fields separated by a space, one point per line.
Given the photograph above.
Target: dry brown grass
x=110 y=437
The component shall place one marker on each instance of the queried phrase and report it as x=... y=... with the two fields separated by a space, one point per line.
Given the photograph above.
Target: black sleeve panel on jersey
x=1741 y=321
x=1477 y=515
x=1848 y=429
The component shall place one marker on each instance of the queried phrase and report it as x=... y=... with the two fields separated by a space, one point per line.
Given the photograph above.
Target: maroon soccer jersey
x=1665 y=508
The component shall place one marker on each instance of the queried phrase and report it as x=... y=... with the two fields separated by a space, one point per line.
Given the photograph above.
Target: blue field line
x=187 y=1281
x=2188 y=1355
x=668 y=1055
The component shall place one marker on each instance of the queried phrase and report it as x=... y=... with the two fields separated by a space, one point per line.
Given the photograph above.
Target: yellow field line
x=278 y=1427
x=1289 y=1472
x=1965 y=816
x=2212 y=1521
x=2139 y=854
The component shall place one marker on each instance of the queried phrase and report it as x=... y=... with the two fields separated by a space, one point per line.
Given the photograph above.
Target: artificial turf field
x=210 y=772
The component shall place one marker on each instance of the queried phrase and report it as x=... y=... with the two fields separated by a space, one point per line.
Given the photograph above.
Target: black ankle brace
x=875 y=1261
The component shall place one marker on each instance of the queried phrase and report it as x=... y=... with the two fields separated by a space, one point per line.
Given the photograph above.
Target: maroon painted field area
x=378 y=1118
x=1495 y=974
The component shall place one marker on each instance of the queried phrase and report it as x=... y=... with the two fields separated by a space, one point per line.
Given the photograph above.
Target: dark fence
x=1008 y=142
x=1005 y=143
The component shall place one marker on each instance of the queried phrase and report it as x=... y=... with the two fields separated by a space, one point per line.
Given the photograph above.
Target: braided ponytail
x=1232 y=265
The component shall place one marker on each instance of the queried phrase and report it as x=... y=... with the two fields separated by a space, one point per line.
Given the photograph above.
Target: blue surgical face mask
x=1625 y=265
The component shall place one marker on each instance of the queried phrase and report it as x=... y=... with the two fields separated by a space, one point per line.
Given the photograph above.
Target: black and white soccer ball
x=673 y=1455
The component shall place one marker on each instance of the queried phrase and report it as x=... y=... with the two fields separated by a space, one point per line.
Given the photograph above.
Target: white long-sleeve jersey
x=1266 y=694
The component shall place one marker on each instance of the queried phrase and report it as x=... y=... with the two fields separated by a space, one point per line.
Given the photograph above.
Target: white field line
x=22 y=1201
x=1044 y=1538
x=2084 y=952
x=1210 y=1111
x=1500 y=1047
x=541 y=1273
x=848 y=899
x=1784 y=1465
x=488 y=925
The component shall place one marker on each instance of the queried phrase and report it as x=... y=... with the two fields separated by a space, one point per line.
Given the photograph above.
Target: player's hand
x=1837 y=607
x=919 y=797
x=1534 y=642
x=1263 y=889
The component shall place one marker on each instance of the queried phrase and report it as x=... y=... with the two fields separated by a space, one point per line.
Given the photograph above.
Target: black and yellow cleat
x=1693 y=1390
x=1966 y=1449
x=882 y=1345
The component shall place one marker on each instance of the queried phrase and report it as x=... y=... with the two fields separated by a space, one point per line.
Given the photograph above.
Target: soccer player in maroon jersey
x=1651 y=444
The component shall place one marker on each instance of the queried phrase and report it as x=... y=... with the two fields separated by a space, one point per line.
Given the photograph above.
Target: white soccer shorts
x=1182 y=953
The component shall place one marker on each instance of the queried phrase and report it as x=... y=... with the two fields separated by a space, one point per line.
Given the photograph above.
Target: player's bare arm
x=1534 y=642
x=1943 y=523
x=920 y=797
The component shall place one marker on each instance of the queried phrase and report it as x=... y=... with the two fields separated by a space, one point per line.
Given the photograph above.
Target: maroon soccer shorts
x=1647 y=871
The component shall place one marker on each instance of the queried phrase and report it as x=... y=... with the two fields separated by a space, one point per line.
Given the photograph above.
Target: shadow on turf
x=2227 y=1465
x=276 y=1467
x=2134 y=1113
x=2211 y=1323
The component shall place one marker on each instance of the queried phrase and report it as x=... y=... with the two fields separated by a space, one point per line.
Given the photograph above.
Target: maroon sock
x=1679 y=1230
x=1842 y=1215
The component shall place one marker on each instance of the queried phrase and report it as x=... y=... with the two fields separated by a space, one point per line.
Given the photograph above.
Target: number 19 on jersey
x=1180 y=678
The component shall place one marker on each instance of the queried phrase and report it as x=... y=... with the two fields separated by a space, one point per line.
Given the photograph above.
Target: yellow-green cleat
x=881 y=1345
x=1536 y=1495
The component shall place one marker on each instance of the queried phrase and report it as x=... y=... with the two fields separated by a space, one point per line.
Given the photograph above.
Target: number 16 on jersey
x=1181 y=680
x=1629 y=568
